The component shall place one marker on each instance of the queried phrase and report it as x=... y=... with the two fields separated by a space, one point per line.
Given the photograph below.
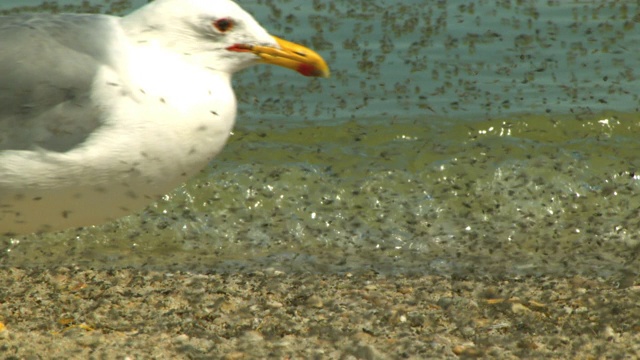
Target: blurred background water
x=471 y=138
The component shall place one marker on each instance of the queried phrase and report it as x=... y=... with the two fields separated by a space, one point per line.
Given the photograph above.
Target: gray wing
x=47 y=66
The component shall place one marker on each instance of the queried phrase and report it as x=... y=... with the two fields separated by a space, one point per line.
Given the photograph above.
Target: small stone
x=518 y=308
x=467 y=331
x=458 y=349
x=444 y=302
x=236 y=355
x=608 y=333
x=274 y=304
x=368 y=352
x=253 y=336
x=90 y=340
x=465 y=351
x=182 y=338
x=580 y=310
x=568 y=310
x=226 y=306
x=315 y=301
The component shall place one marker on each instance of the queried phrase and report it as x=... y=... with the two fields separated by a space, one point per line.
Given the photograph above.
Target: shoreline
x=73 y=312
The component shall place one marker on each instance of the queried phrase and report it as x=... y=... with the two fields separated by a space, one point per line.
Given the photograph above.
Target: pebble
x=315 y=301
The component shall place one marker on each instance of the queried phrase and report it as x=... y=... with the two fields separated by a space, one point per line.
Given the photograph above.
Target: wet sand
x=71 y=312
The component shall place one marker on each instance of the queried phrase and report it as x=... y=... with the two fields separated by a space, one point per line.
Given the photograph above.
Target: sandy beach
x=71 y=312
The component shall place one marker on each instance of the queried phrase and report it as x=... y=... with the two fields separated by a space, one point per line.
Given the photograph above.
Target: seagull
x=102 y=115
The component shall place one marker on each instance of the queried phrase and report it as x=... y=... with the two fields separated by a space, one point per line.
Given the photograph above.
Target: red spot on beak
x=239 y=48
x=307 y=70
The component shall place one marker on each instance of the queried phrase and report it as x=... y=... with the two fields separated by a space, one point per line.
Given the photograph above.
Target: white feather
x=100 y=115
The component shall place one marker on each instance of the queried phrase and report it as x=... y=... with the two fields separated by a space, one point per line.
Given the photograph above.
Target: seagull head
x=219 y=35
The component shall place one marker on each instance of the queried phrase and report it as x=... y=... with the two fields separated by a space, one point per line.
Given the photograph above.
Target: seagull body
x=101 y=115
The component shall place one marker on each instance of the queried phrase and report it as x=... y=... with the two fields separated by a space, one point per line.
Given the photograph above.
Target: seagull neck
x=142 y=26
x=140 y=17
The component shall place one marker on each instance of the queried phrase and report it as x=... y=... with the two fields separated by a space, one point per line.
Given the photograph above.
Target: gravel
x=73 y=312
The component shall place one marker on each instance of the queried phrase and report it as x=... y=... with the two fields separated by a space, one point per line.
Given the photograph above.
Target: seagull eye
x=223 y=25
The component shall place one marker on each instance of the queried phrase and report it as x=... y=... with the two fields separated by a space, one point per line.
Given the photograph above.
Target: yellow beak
x=290 y=55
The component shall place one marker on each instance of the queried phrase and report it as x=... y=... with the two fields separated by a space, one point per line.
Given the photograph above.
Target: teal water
x=474 y=139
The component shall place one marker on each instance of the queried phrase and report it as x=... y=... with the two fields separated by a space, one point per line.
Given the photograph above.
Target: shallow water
x=453 y=139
